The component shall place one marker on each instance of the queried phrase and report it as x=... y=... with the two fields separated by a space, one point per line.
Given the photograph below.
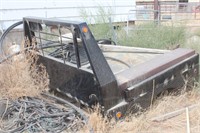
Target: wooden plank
x=173 y=114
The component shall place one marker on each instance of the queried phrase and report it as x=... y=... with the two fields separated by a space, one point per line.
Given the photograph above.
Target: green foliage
x=98 y=22
x=153 y=36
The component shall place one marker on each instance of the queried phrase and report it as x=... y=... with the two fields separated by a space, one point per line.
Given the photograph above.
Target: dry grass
x=19 y=76
x=144 y=124
x=96 y=122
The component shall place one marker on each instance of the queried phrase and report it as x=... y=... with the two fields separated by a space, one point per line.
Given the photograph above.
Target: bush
x=153 y=36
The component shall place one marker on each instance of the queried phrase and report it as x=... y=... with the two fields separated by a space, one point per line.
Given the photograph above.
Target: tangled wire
x=28 y=114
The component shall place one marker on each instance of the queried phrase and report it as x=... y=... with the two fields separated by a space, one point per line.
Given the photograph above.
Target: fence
x=174 y=10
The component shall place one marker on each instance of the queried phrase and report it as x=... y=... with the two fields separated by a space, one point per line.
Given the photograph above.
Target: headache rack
x=74 y=61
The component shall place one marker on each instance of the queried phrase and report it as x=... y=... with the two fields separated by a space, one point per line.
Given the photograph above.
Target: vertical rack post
x=60 y=41
x=40 y=39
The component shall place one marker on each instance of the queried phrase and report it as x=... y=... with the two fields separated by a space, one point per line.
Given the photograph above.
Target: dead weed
x=20 y=76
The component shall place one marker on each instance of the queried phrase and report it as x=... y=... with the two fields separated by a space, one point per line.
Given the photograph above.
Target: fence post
x=156 y=9
x=113 y=31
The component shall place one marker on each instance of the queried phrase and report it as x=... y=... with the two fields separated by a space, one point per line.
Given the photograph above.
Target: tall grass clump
x=153 y=36
x=98 y=21
x=20 y=76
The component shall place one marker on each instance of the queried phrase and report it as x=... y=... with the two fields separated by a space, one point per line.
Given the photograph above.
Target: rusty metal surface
x=121 y=58
x=142 y=71
x=174 y=77
x=126 y=60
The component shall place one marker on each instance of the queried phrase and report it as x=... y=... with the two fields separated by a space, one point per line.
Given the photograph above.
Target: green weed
x=153 y=36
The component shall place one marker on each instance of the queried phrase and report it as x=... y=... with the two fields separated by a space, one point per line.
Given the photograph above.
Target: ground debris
x=28 y=114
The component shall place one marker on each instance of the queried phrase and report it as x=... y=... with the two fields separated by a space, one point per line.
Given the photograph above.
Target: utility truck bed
x=117 y=77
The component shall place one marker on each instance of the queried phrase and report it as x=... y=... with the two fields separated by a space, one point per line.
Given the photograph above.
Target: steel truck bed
x=116 y=77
